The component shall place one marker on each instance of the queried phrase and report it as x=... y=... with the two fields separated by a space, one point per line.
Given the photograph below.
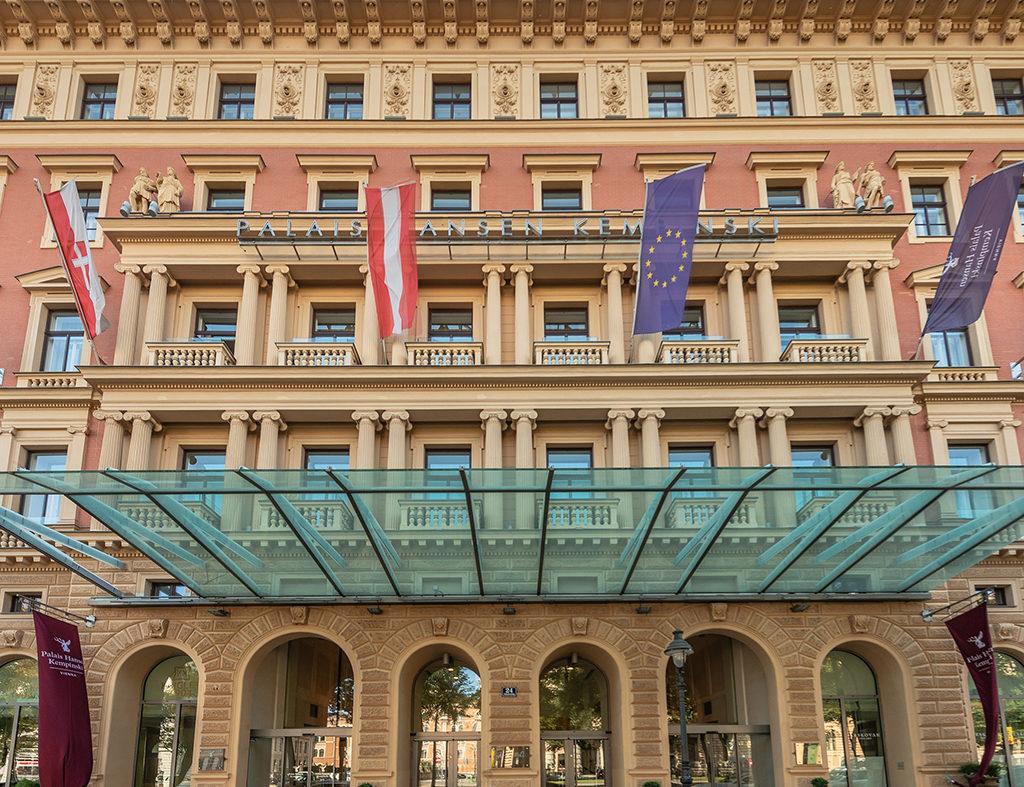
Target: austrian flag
x=391 y=248
x=68 y=221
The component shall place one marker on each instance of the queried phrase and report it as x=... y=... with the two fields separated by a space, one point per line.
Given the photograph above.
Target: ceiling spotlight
x=375 y=610
x=643 y=609
x=446 y=659
x=800 y=606
x=574 y=658
x=508 y=609
x=220 y=612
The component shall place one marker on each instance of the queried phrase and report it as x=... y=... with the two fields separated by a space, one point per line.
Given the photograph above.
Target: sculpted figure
x=169 y=191
x=142 y=192
x=872 y=186
x=843 y=190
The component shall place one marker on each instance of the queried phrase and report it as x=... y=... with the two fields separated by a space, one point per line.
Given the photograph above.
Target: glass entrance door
x=308 y=757
x=729 y=755
x=446 y=762
x=575 y=759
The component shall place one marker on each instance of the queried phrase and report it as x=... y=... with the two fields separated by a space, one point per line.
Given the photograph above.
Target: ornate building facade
x=840 y=140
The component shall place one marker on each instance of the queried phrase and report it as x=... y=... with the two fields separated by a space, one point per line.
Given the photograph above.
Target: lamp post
x=679 y=650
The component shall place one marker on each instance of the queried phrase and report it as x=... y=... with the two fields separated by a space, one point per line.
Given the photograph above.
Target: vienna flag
x=391 y=245
x=68 y=220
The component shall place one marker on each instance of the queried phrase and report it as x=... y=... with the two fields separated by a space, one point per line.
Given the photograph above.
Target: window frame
x=683 y=336
x=213 y=190
x=324 y=189
x=8 y=97
x=902 y=101
x=558 y=102
x=106 y=103
x=665 y=101
x=50 y=333
x=816 y=311
x=454 y=105
x=1002 y=100
x=332 y=336
x=568 y=335
x=764 y=94
x=48 y=501
x=212 y=337
x=552 y=188
x=240 y=102
x=448 y=190
x=927 y=207
x=779 y=187
x=449 y=336
x=346 y=102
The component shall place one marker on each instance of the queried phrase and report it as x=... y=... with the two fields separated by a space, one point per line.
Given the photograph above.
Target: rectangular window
x=574 y=465
x=167 y=590
x=452 y=101
x=225 y=200
x=202 y=459
x=910 y=96
x=998 y=595
x=1009 y=95
x=44 y=509
x=442 y=199
x=447 y=458
x=62 y=342
x=339 y=200
x=773 y=99
x=216 y=325
x=325 y=459
x=811 y=456
x=691 y=456
x=561 y=198
x=344 y=101
x=237 y=100
x=798 y=322
x=98 y=100
x=665 y=99
x=90 y=199
x=7 y=91
x=1020 y=204
x=969 y=454
x=951 y=348
x=450 y=324
x=930 y=215
x=22 y=602
x=566 y=323
x=971 y=503
x=785 y=197
x=337 y=324
x=559 y=100
x=442 y=466
x=692 y=326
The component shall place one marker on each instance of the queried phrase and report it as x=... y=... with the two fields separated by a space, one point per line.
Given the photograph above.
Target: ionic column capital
x=871 y=412
x=853 y=267
x=238 y=415
x=521 y=267
x=107 y=415
x=143 y=416
x=125 y=268
x=525 y=415
x=252 y=269
x=613 y=267
x=280 y=270
x=733 y=267
x=8 y=431
x=395 y=417
x=160 y=270
x=763 y=267
x=885 y=264
x=937 y=423
x=617 y=415
x=1009 y=423
x=270 y=416
x=743 y=413
x=777 y=414
x=493 y=415
x=367 y=415
x=912 y=409
x=646 y=413
x=77 y=429
x=493 y=268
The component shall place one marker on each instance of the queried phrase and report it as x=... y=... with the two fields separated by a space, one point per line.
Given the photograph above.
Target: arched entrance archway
x=446 y=720
x=167 y=724
x=19 y=721
x=575 y=723
x=854 y=741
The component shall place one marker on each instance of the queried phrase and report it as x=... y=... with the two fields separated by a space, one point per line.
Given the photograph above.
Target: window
x=773 y=99
x=1009 y=95
x=998 y=595
x=167 y=590
x=692 y=326
x=7 y=91
x=450 y=324
x=62 y=342
x=571 y=458
x=812 y=456
x=201 y=459
x=968 y=455
x=566 y=323
x=325 y=459
x=445 y=459
x=446 y=723
x=90 y=199
x=910 y=97
x=98 y=100
x=237 y=100
x=452 y=101
x=334 y=324
x=691 y=456
x=971 y=503
x=167 y=726
x=785 y=197
x=558 y=100
x=951 y=348
x=442 y=466
x=798 y=322
x=339 y=200
x=21 y=603
x=225 y=200
x=854 y=739
x=1010 y=677
x=215 y=325
x=1020 y=204
x=561 y=198
x=344 y=101
x=574 y=719
x=442 y=199
x=574 y=465
x=930 y=215
x=44 y=509
x=19 y=721
x=665 y=100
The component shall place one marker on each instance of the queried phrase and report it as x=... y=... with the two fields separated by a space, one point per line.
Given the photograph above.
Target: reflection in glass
x=573 y=696
x=168 y=724
x=446 y=713
x=854 y=749
x=1009 y=746
x=19 y=692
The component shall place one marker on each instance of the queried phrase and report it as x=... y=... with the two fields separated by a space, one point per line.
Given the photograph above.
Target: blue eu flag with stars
x=666 y=250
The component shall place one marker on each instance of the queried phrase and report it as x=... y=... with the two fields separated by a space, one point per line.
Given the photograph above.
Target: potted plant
x=819 y=781
x=992 y=774
x=651 y=783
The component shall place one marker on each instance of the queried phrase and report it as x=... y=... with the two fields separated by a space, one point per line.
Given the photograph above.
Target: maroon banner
x=65 y=737
x=970 y=632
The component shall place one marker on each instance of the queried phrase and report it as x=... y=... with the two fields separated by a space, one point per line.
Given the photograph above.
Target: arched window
x=168 y=724
x=19 y=721
x=1010 y=749
x=446 y=725
x=574 y=723
x=854 y=749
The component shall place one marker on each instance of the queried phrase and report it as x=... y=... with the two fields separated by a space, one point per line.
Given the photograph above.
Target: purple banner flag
x=975 y=249
x=666 y=250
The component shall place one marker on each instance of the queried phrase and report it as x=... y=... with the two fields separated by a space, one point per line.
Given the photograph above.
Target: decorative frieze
x=126 y=22
x=636 y=21
x=505 y=89
x=44 y=91
x=200 y=22
x=310 y=22
x=590 y=10
x=698 y=25
x=183 y=89
x=147 y=79
x=449 y=11
x=722 y=87
x=826 y=86
x=558 y=21
x=526 y=21
x=865 y=97
x=164 y=25
x=287 y=89
x=964 y=92
x=614 y=88
x=397 y=89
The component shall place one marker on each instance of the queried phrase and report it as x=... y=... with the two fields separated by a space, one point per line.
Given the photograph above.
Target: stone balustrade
x=299 y=353
x=434 y=515
x=963 y=374
x=825 y=350
x=50 y=380
x=601 y=513
x=692 y=510
x=699 y=351
x=189 y=354
x=582 y=353
x=445 y=353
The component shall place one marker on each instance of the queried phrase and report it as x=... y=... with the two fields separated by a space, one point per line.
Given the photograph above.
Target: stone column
x=649 y=423
x=399 y=352
x=368 y=422
x=271 y=426
x=523 y=279
x=156 y=308
x=860 y=316
x=493 y=280
x=526 y=422
x=736 y=300
x=278 y=324
x=493 y=422
x=239 y=424
x=616 y=331
x=778 y=439
x=1008 y=428
x=143 y=426
x=940 y=449
x=398 y=425
x=618 y=423
x=767 y=312
x=128 y=322
x=248 y=315
x=745 y=423
x=902 y=435
x=888 y=335
x=872 y=421
x=7 y=461
x=645 y=346
x=112 y=444
x=369 y=352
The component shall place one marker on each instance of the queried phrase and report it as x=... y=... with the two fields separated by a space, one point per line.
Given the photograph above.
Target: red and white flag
x=391 y=246
x=68 y=221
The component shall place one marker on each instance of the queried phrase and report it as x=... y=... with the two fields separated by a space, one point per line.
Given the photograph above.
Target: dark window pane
x=225 y=200
x=98 y=100
x=665 y=100
x=7 y=92
x=558 y=100
x=43 y=508
x=910 y=97
x=167 y=590
x=62 y=342
x=773 y=99
x=691 y=456
x=451 y=199
x=339 y=200
x=452 y=101
x=798 y=322
x=929 y=205
x=202 y=460
x=785 y=197
x=452 y=324
x=565 y=323
x=1009 y=95
x=1020 y=204
x=692 y=326
x=19 y=603
x=446 y=458
x=951 y=348
x=90 y=199
x=561 y=199
x=237 y=101
x=812 y=456
x=570 y=458
x=216 y=325
x=344 y=101
x=326 y=459
x=334 y=325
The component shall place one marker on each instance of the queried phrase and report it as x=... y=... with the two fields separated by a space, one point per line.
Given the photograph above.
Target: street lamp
x=679 y=650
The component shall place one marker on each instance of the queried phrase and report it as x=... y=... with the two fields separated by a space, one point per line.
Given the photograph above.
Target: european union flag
x=666 y=250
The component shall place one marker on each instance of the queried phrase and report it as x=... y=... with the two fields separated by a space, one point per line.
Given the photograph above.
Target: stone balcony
x=687 y=351
x=445 y=353
x=50 y=380
x=587 y=352
x=963 y=374
x=826 y=350
x=308 y=353
x=186 y=353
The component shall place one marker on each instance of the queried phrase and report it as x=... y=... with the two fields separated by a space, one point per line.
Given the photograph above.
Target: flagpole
x=917 y=348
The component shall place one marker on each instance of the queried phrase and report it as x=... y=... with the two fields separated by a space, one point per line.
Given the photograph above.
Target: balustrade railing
x=598 y=514
x=583 y=353
x=698 y=351
x=963 y=374
x=445 y=353
x=826 y=350
x=189 y=354
x=298 y=353
x=50 y=380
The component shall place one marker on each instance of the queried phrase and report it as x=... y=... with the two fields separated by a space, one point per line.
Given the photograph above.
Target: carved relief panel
x=287 y=89
x=722 y=88
x=965 y=93
x=826 y=86
x=44 y=91
x=613 y=80
x=183 y=89
x=865 y=97
x=147 y=80
x=397 y=90
x=505 y=90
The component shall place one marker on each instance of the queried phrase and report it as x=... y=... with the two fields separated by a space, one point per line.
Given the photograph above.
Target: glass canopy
x=572 y=534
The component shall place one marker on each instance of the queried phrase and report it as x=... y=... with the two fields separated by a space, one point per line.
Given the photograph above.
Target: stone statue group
x=161 y=194
x=861 y=190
